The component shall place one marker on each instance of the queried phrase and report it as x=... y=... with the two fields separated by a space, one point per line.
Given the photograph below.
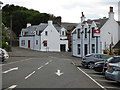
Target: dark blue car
x=89 y=60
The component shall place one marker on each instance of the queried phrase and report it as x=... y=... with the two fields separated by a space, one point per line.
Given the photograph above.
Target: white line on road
x=105 y=80
x=47 y=63
x=30 y=75
x=91 y=78
x=11 y=87
x=40 y=67
x=12 y=69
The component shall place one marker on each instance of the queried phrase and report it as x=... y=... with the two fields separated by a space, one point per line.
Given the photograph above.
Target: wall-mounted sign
x=97 y=33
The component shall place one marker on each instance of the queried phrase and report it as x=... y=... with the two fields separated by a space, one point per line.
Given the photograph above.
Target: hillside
x=20 y=16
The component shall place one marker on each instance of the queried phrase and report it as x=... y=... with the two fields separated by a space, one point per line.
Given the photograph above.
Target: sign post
x=96 y=34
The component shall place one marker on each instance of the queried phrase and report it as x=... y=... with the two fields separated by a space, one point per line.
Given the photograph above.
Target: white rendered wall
x=37 y=47
x=26 y=42
x=110 y=26
x=53 y=39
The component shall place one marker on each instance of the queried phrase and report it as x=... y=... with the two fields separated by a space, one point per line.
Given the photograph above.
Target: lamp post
x=111 y=40
x=1 y=24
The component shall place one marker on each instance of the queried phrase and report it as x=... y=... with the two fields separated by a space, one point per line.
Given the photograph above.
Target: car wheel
x=90 y=65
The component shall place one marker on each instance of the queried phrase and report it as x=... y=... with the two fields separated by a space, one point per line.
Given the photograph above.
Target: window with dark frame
x=78 y=33
x=46 y=33
x=45 y=43
x=22 y=42
x=93 y=32
x=85 y=32
x=93 y=48
x=36 y=42
x=78 y=49
x=62 y=32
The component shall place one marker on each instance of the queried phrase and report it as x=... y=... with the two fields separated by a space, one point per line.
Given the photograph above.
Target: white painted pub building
x=44 y=37
x=83 y=39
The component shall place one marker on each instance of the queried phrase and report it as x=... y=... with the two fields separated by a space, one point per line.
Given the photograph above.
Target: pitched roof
x=31 y=30
x=69 y=26
x=99 y=22
x=117 y=45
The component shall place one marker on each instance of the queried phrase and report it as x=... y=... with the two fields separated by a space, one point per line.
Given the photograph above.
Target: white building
x=83 y=40
x=44 y=37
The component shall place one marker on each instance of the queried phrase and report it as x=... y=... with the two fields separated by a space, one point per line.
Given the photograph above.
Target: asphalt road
x=34 y=69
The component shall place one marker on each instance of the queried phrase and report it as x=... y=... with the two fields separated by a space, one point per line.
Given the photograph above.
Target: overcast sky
x=70 y=10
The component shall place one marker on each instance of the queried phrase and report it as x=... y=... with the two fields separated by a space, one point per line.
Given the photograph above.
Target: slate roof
x=31 y=30
x=69 y=26
x=99 y=22
x=117 y=45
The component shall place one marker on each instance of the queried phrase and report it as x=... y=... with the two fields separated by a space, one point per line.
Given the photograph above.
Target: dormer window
x=62 y=32
x=46 y=33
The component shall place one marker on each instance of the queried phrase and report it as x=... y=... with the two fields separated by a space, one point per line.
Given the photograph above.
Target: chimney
x=58 y=20
x=28 y=24
x=119 y=11
x=49 y=22
x=111 y=13
x=82 y=18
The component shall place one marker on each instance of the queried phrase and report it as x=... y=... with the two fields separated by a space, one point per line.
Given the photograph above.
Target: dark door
x=62 y=47
x=85 y=49
x=28 y=43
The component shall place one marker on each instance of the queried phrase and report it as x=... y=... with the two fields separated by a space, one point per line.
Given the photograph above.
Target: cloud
x=70 y=10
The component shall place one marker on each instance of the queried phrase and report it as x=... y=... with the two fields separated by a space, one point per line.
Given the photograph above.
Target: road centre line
x=10 y=70
x=30 y=75
x=40 y=67
x=11 y=87
x=47 y=63
x=91 y=78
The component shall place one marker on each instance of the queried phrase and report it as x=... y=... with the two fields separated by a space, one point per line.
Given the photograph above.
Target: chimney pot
x=111 y=9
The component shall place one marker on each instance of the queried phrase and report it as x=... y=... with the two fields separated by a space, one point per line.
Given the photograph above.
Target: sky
x=70 y=10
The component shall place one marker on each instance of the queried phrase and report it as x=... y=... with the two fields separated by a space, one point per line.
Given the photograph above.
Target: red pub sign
x=97 y=33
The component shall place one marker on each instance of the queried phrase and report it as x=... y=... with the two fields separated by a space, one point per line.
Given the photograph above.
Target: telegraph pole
x=0 y=24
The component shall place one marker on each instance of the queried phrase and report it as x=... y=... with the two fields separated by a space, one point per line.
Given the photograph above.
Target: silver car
x=113 y=70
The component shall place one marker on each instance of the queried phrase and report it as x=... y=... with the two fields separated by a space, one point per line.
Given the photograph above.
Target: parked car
x=98 y=66
x=89 y=60
x=113 y=71
x=3 y=54
x=101 y=66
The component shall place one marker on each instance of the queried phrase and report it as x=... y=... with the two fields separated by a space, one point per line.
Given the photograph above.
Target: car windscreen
x=115 y=60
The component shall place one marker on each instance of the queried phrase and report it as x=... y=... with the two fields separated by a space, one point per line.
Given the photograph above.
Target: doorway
x=62 y=48
x=85 y=49
x=28 y=43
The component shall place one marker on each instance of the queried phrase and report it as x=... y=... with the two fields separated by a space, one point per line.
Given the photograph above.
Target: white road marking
x=58 y=73
x=12 y=69
x=105 y=80
x=91 y=78
x=18 y=61
x=11 y=87
x=30 y=75
x=47 y=63
x=40 y=67
x=113 y=87
x=97 y=75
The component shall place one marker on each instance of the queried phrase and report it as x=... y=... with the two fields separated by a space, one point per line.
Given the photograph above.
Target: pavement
x=28 y=69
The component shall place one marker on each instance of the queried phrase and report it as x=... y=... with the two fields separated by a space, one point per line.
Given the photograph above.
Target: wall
x=26 y=42
x=110 y=26
x=64 y=42
x=53 y=39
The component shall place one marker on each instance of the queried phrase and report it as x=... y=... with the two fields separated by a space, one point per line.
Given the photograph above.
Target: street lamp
x=0 y=24
x=111 y=44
